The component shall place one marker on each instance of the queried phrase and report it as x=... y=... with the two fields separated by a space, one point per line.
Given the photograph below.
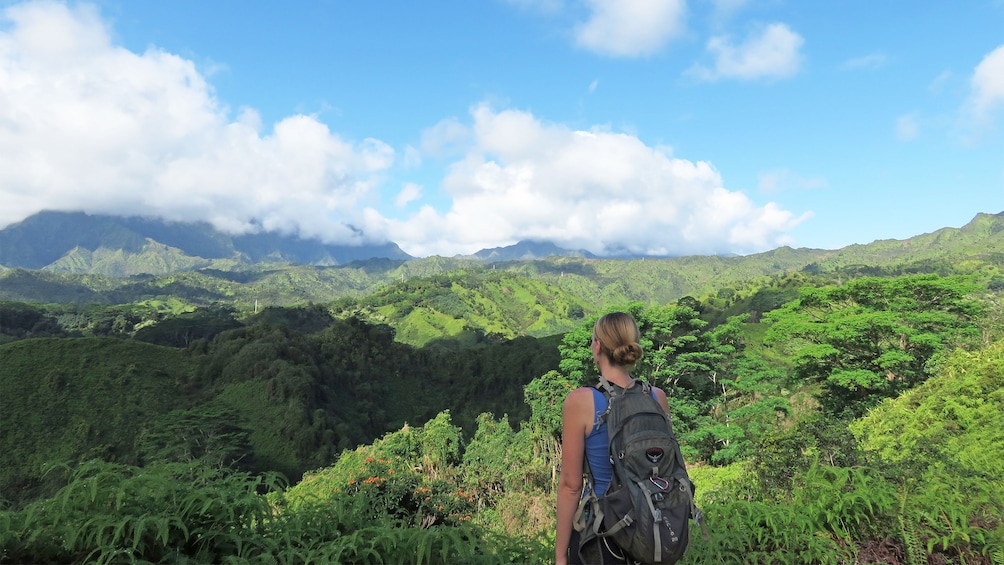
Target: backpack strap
x=606 y=388
x=609 y=392
x=612 y=390
x=590 y=503
x=646 y=387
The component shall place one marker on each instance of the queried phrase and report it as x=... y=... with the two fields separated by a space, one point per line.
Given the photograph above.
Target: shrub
x=109 y=513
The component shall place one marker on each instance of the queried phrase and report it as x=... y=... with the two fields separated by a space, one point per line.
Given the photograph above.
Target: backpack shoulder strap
x=611 y=390
x=589 y=502
x=598 y=419
x=606 y=388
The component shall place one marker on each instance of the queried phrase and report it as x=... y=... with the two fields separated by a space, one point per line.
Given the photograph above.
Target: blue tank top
x=598 y=445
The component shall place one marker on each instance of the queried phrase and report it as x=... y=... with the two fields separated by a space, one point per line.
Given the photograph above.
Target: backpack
x=649 y=502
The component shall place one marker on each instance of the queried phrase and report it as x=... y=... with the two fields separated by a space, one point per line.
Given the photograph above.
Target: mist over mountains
x=528 y=251
x=76 y=242
x=80 y=243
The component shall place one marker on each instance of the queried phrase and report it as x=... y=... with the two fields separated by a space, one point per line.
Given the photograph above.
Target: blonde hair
x=619 y=338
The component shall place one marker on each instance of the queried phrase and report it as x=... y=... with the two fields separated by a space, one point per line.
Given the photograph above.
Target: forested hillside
x=285 y=393
x=833 y=409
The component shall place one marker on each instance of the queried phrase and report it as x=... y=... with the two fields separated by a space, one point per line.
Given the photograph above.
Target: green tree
x=546 y=396
x=873 y=338
x=750 y=404
x=943 y=443
x=499 y=460
x=19 y=321
x=954 y=420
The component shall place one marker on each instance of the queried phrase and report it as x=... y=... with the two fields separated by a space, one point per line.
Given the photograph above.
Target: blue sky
x=649 y=126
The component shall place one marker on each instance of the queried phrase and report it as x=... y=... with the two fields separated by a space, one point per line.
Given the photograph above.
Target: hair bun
x=627 y=354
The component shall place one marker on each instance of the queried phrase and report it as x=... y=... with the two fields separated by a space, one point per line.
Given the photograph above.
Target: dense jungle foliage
x=828 y=415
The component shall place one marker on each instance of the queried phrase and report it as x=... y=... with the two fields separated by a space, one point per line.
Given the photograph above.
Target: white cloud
x=987 y=84
x=597 y=190
x=630 y=28
x=410 y=193
x=593 y=85
x=771 y=52
x=868 y=62
x=781 y=180
x=87 y=125
x=446 y=138
x=907 y=127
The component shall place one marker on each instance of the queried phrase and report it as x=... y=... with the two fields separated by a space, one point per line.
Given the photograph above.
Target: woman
x=616 y=349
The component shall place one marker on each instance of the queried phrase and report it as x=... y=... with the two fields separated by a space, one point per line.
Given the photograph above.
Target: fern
x=997 y=556
x=913 y=548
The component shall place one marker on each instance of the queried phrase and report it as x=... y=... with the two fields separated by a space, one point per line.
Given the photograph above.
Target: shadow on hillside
x=21 y=285
x=241 y=277
x=566 y=268
x=378 y=265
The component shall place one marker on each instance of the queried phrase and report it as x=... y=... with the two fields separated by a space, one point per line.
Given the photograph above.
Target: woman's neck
x=617 y=375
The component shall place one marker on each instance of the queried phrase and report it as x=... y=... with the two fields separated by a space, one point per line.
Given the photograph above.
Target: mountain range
x=529 y=251
x=75 y=242
x=79 y=243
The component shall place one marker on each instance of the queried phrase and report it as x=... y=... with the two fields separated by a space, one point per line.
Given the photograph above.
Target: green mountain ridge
x=55 y=240
x=464 y=299
x=983 y=235
x=152 y=257
x=82 y=244
x=527 y=251
x=647 y=280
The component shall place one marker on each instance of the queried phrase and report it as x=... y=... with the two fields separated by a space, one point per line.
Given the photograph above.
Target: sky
x=653 y=127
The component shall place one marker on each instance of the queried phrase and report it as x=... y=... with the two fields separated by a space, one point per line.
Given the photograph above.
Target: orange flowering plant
x=401 y=480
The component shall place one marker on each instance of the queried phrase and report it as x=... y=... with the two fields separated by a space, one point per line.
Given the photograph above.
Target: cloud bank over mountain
x=89 y=125
x=603 y=191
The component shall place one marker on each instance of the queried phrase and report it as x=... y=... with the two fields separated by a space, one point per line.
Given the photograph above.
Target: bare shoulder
x=577 y=411
x=660 y=396
x=580 y=397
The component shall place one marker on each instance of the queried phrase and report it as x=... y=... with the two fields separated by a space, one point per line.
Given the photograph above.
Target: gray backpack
x=647 y=508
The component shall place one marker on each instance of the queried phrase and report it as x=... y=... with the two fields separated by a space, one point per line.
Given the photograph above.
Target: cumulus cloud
x=88 y=125
x=771 y=52
x=410 y=193
x=630 y=28
x=987 y=85
x=524 y=179
x=446 y=138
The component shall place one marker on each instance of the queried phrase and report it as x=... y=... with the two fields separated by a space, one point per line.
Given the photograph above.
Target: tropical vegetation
x=849 y=409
